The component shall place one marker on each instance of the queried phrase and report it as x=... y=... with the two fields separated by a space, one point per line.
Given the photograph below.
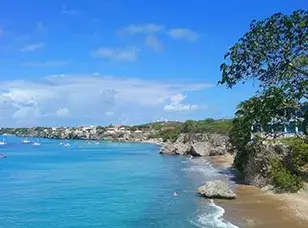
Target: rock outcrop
x=216 y=190
x=209 y=144
x=257 y=166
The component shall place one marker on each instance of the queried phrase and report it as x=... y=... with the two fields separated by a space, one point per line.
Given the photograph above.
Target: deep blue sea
x=95 y=185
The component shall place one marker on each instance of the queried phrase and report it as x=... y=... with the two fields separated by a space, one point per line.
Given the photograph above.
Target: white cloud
x=63 y=112
x=142 y=29
x=32 y=47
x=183 y=34
x=176 y=104
x=46 y=63
x=89 y=97
x=154 y=43
x=118 y=54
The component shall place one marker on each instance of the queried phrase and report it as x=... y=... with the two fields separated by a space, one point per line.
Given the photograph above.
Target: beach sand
x=256 y=208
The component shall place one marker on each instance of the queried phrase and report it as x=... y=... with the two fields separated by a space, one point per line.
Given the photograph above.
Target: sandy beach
x=256 y=208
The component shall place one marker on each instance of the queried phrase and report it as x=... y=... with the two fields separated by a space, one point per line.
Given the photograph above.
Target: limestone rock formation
x=216 y=190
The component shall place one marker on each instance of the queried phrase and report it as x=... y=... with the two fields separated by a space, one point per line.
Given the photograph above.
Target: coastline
x=253 y=207
x=257 y=208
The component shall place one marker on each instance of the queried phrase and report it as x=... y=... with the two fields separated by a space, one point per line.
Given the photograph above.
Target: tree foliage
x=274 y=52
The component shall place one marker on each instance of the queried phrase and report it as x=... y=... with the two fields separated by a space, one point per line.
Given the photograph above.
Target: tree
x=188 y=126
x=274 y=52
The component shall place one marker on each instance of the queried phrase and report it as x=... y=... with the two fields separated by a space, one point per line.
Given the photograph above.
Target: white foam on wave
x=211 y=215
x=201 y=167
x=213 y=219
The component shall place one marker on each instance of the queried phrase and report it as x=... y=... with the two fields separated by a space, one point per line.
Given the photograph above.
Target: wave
x=212 y=219
x=209 y=215
x=201 y=167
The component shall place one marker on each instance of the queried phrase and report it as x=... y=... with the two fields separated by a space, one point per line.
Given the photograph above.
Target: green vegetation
x=207 y=125
x=275 y=53
x=299 y=148
x=171 y=132
x=168 y=135
x=283 y=179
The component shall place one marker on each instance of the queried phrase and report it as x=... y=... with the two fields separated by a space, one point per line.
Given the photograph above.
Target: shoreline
x=254 y=207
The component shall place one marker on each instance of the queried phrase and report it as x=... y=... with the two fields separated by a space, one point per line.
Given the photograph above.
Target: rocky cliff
x=201 y=144
x=274 y=164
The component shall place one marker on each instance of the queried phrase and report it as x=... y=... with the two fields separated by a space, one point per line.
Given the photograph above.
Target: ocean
x=105 y=184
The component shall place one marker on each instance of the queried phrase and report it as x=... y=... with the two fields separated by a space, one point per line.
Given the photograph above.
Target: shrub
x=282 y=178
x=299 y=149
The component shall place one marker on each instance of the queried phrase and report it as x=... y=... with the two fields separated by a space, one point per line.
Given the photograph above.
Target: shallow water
x=124 y=185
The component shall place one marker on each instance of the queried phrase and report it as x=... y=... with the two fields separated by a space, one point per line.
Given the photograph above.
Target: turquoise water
x=123 y=185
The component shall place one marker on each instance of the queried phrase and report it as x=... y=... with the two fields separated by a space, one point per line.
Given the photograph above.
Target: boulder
x=200 y=149
x=216 y=190
x=176 y=148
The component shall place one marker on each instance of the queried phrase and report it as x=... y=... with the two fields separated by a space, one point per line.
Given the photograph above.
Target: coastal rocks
x=197 y=145
x=175 y=149
x=216 y=190
x=200 y=149
x=257 y=166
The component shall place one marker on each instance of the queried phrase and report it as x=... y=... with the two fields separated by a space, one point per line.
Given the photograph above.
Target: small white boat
x=67 y=144
x=3 y=142
x=25 y=141
x=36 y=143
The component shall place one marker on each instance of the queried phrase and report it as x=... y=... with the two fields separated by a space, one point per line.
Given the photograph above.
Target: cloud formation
x=142 y=29
x=176 y=104
x=154 y=43
x=118 y=54
x=32 y=47
x=87 y=97
x=183 y=34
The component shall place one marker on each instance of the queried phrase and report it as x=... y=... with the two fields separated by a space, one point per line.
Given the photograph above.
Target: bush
x=169 y=135
x=299 y=149
x=207 y=125
x=282 y=178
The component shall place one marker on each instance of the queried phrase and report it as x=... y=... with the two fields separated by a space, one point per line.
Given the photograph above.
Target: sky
x=97 y=62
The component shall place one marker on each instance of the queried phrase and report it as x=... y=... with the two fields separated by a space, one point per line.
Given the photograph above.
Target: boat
x=26 y=141
x=67 y=144
x=2 y=156
x=3 y=142
x=36 y=143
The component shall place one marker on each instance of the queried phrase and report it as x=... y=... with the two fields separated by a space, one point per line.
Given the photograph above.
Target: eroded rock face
x=216 y=190
x=257 y=168
x=175 y=149
x=197 y=145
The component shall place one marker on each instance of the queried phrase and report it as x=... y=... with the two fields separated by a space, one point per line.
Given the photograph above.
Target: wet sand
x=256 y=208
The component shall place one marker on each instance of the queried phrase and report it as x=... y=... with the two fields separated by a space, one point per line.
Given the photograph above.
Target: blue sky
x=121 y=61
